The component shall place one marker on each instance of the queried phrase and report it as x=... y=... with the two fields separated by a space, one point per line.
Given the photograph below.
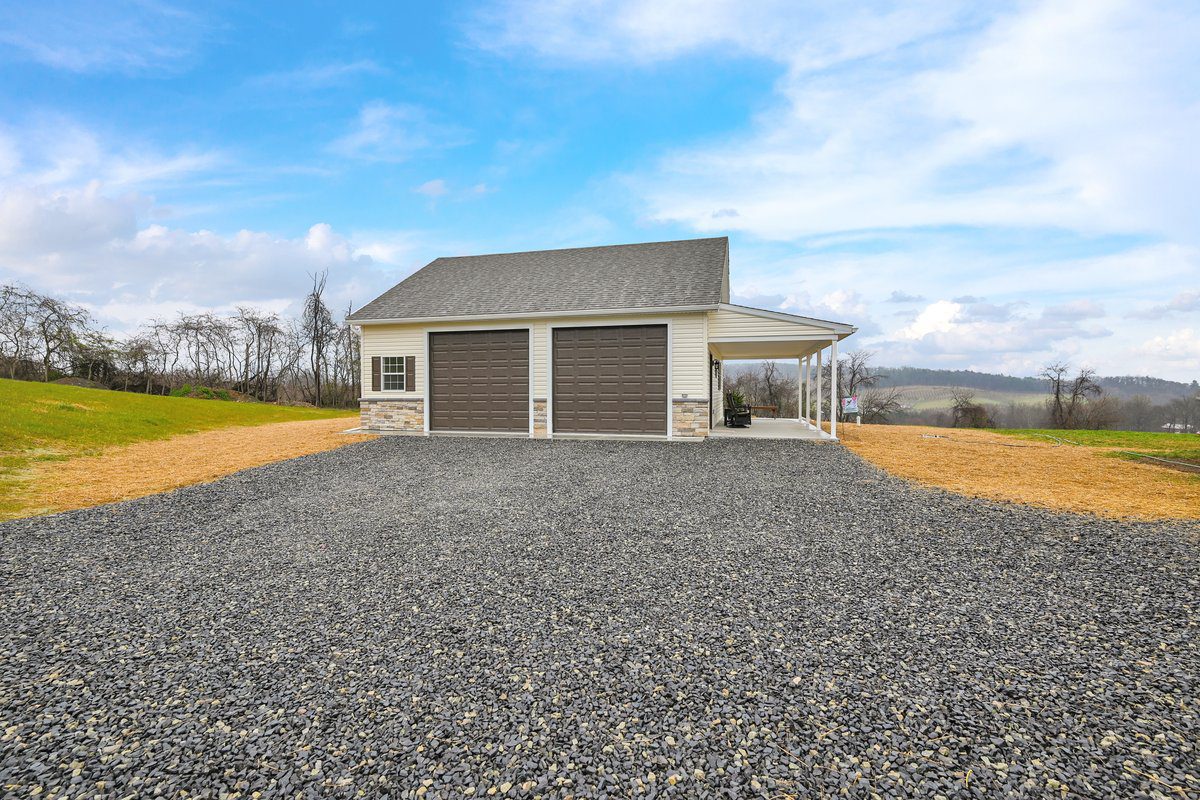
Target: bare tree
x=57 y=325
x=18 y=339
x=92 y=355
x=1069 y=397
x=1138 y=413
x=1183 y=414
x=770 y=384
x=314 y=358
x=765 y=385
x=1100 y=413
x=966 y=413
x=318 y=330
x=877 y=406
x=855 y=376
x=137 y=360
x=259 y=339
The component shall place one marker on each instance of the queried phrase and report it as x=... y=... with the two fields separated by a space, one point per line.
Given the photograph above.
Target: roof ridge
x=584 y=247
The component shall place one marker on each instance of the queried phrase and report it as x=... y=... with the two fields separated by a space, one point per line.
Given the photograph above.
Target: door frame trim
x=428 y=399
x=606 y=324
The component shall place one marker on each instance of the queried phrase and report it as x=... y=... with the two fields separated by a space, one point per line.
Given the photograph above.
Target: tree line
x=1123 y=386
x=313 y=358
x=1073 y=399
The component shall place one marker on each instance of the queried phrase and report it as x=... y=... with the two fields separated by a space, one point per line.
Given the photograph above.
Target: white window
x=393 y=374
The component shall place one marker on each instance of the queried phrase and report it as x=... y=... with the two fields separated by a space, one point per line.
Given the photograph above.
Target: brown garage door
x=479 y=381
x=610 y=379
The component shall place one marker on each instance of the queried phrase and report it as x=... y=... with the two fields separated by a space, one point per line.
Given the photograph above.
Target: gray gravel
x=474 y=618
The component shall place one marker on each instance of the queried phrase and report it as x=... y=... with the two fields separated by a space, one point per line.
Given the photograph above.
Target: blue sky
x=974 y=188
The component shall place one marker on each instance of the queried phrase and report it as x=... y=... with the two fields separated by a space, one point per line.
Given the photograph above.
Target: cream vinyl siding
x=689 y=357
x=727 y=323
x=689 y=351
x=393 y=340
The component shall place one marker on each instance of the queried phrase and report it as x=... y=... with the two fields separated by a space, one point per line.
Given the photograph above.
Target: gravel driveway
x=490 y=617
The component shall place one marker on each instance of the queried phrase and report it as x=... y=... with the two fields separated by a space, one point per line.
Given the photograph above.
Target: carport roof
x=688 y=273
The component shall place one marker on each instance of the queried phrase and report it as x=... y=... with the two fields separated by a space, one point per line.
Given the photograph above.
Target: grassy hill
x=934 y=398
x=1159 y=390
x=48 y=422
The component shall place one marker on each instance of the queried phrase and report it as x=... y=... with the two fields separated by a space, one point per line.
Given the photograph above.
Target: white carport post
x=834 y=400
x=799 y=389
x=818 y=414
x=802 y=383
x=812 y=414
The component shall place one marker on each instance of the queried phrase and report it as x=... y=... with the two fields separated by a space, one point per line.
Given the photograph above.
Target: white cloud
x=1076 y=310
x=839 y=305
x=1079 y=114
x=400 y=250
x=156 y=264
x=433 y=189
x=55 y=151
x=96 y=242
x=892 y=124
x=34 y=222
x=394 y=133
x=317 y=76
x=438 y=188
x=1185 y=302
x=947 y=332
x=10 y=156
x=1180 y=348
x=812 y=35
x=118 y=35
x=939 y=317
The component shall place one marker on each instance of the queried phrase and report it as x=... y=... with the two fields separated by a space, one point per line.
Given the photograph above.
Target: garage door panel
x=610 y=379
x=479 y=381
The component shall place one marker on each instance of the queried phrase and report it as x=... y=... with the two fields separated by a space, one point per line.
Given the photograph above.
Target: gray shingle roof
x=691 y=272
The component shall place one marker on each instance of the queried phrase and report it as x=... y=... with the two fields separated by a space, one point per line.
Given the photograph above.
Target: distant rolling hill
x=930 y=389
x=1158 y=390
x=932 y=398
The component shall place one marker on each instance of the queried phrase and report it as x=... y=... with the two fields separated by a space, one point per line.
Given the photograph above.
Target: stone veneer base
x=540 y=425
x=403 y=414
x=689 y=418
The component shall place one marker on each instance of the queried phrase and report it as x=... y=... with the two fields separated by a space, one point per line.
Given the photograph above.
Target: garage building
x=622 y=340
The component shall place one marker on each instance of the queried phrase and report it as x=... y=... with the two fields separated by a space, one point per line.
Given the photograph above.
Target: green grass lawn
x=1177 y=446
x=47 y=422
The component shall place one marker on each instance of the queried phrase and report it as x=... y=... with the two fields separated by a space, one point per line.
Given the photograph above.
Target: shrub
x=201 y=392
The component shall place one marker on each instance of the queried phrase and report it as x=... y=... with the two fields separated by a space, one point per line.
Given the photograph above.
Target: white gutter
x=591 y=312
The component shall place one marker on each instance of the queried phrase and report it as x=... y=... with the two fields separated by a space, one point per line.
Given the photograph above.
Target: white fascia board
x=589 y=312
x=842 y=328
x=803 y=337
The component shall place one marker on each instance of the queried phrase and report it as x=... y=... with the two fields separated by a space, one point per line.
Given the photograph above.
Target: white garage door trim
x=607 y=324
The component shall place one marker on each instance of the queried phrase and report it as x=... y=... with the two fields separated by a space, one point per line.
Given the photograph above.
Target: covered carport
x=739 y=333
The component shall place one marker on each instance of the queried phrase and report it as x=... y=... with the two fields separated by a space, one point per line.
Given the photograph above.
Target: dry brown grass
x=1064 y=478
x=136 y=470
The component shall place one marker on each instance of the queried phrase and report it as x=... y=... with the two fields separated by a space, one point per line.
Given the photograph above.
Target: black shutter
x=410 y=373
x=376 y=373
